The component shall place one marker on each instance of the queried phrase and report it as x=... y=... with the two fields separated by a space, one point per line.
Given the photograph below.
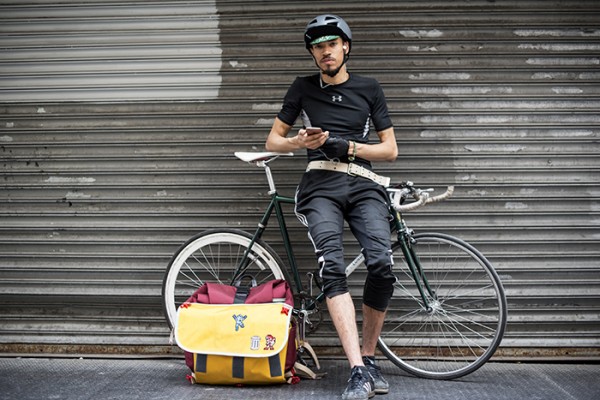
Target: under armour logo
x=336 y=98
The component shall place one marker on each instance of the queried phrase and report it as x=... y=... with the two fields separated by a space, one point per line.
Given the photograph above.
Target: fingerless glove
x=335 y=147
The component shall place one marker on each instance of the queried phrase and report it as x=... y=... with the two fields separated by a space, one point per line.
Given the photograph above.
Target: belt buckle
x=350 y=169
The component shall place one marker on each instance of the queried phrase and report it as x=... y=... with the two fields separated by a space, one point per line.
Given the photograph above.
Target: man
x=342 y=105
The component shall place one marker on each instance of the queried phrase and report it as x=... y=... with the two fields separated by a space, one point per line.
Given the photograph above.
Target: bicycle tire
x=213 y=256
x=466 y=323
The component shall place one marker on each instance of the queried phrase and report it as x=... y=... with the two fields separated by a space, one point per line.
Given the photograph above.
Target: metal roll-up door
x=119 y=122
x=102 y=157
x=117 y=51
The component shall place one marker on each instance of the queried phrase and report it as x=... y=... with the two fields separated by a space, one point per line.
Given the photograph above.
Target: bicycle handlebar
x=420 y=195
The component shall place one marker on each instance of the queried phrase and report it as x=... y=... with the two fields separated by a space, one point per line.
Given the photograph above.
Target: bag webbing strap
x=201 y=363
x=275 y=366
x=237 y=367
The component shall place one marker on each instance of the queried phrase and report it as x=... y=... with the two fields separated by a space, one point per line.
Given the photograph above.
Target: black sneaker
x=360 y=385
x=381 y=385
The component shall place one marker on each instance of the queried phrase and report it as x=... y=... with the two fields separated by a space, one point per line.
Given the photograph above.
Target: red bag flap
x=213 y=293
x=216 y=293
x=268 y=291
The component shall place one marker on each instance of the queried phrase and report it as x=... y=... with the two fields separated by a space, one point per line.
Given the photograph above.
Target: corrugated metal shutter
x=119 y=121
x=80 y=51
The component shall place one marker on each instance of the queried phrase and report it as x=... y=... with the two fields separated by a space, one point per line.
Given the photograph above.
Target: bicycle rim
x=214 y=256
x=467 y=314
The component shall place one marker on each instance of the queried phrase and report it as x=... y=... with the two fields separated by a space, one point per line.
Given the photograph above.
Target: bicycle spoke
x=466 y=343
x=398 y=325
x=458 y=318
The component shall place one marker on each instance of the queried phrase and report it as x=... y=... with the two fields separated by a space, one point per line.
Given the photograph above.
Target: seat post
x=272 y=189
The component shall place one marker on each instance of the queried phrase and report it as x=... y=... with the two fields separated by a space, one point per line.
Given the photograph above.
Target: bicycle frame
x=412 y=260
x=397 y=225
x=274 y=205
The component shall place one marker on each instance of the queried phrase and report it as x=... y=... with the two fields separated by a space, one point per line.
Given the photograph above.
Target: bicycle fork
x=406 y=240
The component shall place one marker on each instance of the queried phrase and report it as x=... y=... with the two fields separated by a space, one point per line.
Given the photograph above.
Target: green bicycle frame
x=412 y=259
x=397 y=225
x=274 y=205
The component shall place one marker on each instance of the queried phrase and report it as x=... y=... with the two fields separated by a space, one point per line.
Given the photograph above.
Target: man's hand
x=311 y=141
x=335 y=147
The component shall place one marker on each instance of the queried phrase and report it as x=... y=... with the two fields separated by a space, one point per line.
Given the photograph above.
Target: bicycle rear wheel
x=214 y=256
x=467 y=315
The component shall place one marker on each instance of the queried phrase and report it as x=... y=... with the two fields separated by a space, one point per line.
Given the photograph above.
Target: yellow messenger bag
x=251 y=342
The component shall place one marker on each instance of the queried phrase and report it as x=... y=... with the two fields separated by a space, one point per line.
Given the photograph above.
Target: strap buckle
x=352 y=168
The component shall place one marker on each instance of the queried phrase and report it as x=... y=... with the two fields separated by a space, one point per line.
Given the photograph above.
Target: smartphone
x=311 y=130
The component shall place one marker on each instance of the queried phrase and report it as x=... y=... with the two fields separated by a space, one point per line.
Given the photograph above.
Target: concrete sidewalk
x=153 y=379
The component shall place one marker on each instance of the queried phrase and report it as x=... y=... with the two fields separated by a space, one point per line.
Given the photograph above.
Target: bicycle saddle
x=259 y=156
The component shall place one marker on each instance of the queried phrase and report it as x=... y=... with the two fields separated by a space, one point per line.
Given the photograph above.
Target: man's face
x=329 y=55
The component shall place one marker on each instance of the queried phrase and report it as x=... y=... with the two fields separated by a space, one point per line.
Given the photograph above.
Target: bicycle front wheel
x=463 y=323
x=215 y=256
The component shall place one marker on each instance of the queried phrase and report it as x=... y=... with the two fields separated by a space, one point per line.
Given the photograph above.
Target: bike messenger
x=343 y=105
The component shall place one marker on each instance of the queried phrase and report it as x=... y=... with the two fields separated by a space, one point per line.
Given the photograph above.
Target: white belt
x=350 y=169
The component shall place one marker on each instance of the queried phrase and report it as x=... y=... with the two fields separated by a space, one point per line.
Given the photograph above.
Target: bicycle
x=448 y=312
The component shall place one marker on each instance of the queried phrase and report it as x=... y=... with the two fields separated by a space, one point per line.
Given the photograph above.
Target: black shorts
x=324 y=200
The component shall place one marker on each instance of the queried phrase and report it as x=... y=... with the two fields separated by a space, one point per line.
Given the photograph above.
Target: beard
x=333 y=72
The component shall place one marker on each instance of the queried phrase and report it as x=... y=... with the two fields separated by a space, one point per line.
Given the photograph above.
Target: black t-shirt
x=344 y=110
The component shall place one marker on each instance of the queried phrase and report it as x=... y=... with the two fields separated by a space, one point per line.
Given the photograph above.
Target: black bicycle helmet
x=327 y=25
